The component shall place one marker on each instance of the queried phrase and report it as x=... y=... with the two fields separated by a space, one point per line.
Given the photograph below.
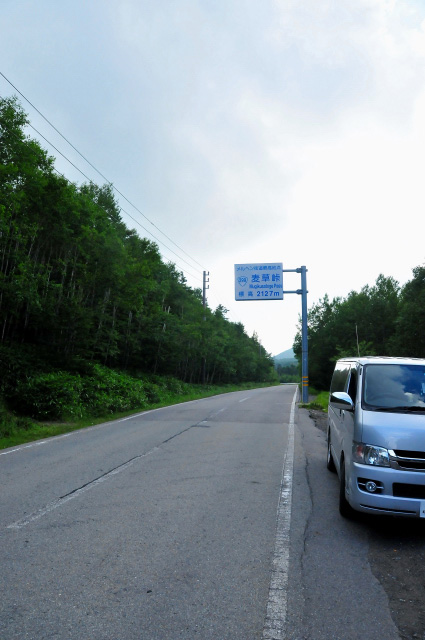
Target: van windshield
x=394 y=387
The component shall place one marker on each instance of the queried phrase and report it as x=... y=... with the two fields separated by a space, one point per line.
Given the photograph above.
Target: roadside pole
x=304 y=328
x=304 y=338
x=205 y=286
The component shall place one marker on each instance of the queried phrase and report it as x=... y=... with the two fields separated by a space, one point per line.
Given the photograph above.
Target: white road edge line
x=84 y=430
x=33 y=444
x=275 y=622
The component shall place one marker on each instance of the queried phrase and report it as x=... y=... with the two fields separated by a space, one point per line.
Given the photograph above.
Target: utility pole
x=205 y=286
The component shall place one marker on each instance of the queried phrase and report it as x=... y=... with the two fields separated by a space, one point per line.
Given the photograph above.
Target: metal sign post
x=261 y=281
x=304 y=330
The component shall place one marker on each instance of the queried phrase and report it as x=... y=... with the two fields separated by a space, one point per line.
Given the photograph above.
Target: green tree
x=409 y=338
x=363 y=323
x=75 y=281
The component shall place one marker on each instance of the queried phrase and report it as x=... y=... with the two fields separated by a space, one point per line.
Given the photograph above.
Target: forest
x=80 y=290
x=86 y=301
x=380 y=320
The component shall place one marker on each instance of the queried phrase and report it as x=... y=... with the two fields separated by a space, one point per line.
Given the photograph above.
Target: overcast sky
x=247 y=131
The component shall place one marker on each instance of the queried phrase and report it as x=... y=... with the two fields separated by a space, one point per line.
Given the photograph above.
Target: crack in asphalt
x=58 y=502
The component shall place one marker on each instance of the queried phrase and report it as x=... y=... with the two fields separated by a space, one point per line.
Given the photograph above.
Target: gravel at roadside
x=320 y=419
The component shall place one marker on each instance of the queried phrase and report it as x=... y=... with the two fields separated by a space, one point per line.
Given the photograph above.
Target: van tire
x=345 y=509
x=330 y=464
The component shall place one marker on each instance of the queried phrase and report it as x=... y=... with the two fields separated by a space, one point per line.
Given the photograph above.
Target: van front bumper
x=398 y=492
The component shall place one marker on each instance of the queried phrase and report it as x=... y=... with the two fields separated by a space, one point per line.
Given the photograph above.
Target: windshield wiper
x=401 y=409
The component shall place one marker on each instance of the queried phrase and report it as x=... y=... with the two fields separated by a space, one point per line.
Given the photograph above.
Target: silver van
x=376 y=435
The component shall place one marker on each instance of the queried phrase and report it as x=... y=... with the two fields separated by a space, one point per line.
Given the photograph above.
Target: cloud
x=274 y=131
x=368 y=52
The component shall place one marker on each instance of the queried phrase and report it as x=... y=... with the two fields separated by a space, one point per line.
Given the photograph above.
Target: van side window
x=352 y=385
x=339 y=378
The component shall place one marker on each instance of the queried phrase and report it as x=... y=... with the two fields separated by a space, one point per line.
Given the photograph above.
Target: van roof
x=383 y=360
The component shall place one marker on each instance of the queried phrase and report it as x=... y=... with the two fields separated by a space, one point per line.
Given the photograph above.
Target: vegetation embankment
x=382 y=320
x=320 y=401
x=92 y=320
x=62 y=402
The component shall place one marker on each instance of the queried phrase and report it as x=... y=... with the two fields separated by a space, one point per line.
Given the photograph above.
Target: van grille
x=408 y=491
x=408 y=460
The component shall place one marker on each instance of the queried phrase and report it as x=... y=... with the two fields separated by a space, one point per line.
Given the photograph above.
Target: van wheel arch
x=330 y=464
x=345 y=509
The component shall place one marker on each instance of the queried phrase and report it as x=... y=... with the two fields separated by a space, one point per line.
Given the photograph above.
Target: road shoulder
x=333 y=591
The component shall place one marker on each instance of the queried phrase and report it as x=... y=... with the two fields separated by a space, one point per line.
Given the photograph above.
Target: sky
x=239 y=131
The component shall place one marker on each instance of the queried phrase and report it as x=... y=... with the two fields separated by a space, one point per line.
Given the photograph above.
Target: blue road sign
x=259 y=281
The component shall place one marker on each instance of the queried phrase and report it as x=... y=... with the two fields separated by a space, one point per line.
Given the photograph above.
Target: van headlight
x=369 y=454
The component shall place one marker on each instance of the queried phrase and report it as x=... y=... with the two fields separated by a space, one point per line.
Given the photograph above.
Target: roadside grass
x=16 y=430
x=319 y=402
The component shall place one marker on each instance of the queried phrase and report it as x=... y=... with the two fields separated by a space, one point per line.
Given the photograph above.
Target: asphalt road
x=171 y=524
x=159 y=526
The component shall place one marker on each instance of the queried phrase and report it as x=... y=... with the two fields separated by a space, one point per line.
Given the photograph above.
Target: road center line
x=51 y=506
x=275 y=622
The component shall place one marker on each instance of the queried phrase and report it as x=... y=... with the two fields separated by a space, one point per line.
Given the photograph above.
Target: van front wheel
x=345 y=509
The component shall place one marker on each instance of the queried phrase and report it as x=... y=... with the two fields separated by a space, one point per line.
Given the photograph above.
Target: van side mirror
x=341 y=400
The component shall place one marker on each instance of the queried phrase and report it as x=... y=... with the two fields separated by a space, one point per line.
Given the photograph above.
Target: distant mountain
x=285 y=355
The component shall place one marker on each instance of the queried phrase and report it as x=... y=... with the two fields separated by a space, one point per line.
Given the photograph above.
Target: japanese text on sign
x=258 y=281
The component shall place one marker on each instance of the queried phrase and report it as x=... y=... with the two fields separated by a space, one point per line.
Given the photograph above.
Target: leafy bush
x=108 y=391
x=86 y=390
x=11 y=424
x=152 y=392
x=176 y=386
x=320 y=401
x=49 y=396
x=60 y=395
x=17 y=364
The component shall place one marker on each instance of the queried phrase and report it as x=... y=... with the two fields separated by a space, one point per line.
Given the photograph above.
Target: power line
x=99 y=172
x=168 y=248
x=185 y=271
x=56 y=149
x=121 y=209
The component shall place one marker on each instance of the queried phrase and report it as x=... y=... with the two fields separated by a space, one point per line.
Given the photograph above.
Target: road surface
x=214 y=519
